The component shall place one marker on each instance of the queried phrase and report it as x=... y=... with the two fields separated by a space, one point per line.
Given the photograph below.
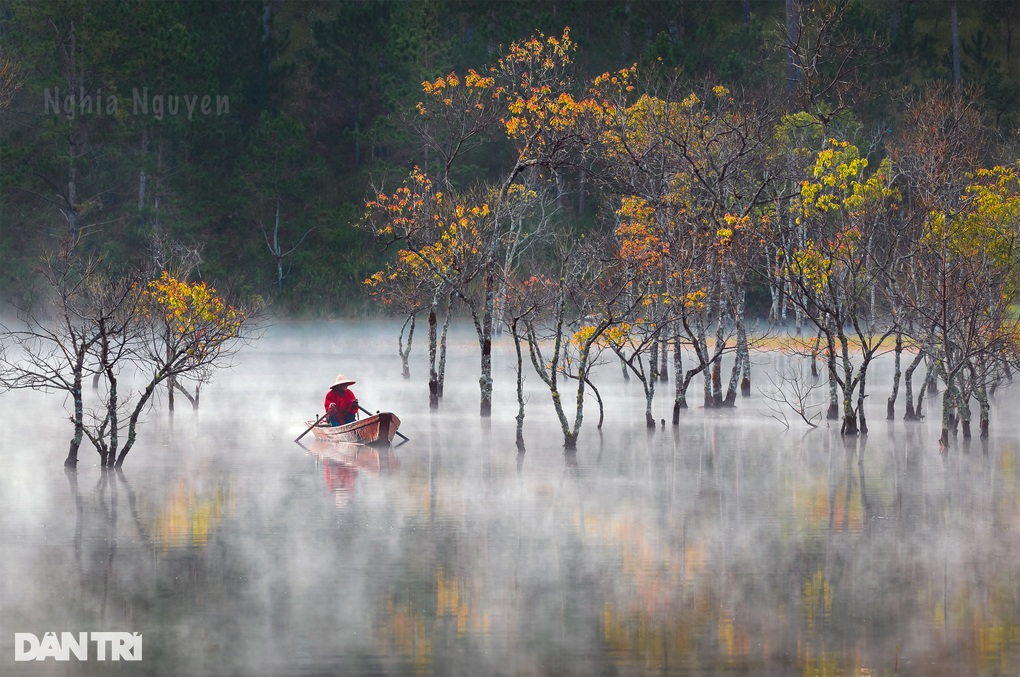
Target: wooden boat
x=377 y=429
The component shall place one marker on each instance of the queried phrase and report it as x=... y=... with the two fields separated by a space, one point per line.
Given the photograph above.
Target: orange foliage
x=192 y=311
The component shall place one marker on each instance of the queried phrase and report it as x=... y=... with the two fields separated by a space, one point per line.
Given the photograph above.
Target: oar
x=406 y=438
x=311 y=426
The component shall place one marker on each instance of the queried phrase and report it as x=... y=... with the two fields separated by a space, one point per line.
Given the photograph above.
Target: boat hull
x=377 y=430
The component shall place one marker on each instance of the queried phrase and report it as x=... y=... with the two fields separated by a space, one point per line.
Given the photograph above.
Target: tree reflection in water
x=725 y=545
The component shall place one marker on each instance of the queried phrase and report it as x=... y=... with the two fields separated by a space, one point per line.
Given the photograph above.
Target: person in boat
x=341 y=403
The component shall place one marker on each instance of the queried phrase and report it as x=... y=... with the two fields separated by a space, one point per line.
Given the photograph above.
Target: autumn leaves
x=708 y=195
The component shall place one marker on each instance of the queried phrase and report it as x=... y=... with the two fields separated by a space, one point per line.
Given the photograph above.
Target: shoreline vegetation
x=93 y=145
x=591 y=207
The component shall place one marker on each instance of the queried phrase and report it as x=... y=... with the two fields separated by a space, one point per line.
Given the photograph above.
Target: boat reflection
x=343 y=462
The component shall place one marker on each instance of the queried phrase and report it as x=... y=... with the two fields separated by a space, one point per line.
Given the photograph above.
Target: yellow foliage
x=695 y=300
x=640 y=241
x=192 y=309
x=838 y=183
x=988 y=224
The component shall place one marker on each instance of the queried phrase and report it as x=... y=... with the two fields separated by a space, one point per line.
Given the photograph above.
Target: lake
x=728 y=545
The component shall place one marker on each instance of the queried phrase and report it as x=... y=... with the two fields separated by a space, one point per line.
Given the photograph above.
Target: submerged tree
x=403 y=288
x=528 y=96
x=112 y=322
x=523 y=301
x=55 y=348
x=690 y=164
x=968 y=257
x=943 y=141
x=182 y=328
x=442 y=248
x=833 y=276
x=592 y=294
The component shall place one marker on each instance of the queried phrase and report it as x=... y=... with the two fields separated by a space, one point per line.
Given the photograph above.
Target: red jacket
x=346 y=403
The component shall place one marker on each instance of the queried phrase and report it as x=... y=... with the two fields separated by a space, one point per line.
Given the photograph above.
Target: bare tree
x=825 y=58
x=276 y=169
x=522 y=301
x=112 y=322
x=591 y=294
x=792 y=388
x=54 y=347
x=10 y=81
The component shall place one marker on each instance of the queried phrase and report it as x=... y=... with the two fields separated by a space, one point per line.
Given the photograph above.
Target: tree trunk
x=194 y=399
x=908 y=388
x=108 y=451
x=928 y=376
x=954 y=20
x=833 y=412
x=963 y=409
x=981 y=394
x=520 y=386
x=433 y=375
x=890 y=405
x=649 y=383
x=79 y=413
x=171 y=382
x=136 y=413
x=707 y=371
x=442 y=346
x=982 y=397
x=815 y=348
x=598 y=400
x=849 y=426
x=932 y=381
x=775 y=291
x=111 y=412
x=731 y=388
x=548 y=370
x=680 y=389
x=861 y=386
x=141 y=198
x=277 y=252
x=948 y=412
x=792 y=38
x=485 y=380
x=73 y=221
x=717 y=396
x=405 y=351
x=664 y=357
x=743 y=351
x=738 y=363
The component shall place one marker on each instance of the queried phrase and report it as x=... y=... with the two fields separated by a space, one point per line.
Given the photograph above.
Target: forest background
x=255 y=131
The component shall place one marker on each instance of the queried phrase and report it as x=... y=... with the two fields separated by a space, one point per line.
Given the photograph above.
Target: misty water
x=728 y=545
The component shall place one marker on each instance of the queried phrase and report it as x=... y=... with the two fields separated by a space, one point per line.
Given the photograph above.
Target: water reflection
x=342 y=463
x=724 y=546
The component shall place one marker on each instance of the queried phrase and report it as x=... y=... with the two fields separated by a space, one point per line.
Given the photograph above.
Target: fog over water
x=727 y=545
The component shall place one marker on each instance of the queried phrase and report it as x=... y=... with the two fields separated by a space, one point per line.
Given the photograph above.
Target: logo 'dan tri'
x=114 y=646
